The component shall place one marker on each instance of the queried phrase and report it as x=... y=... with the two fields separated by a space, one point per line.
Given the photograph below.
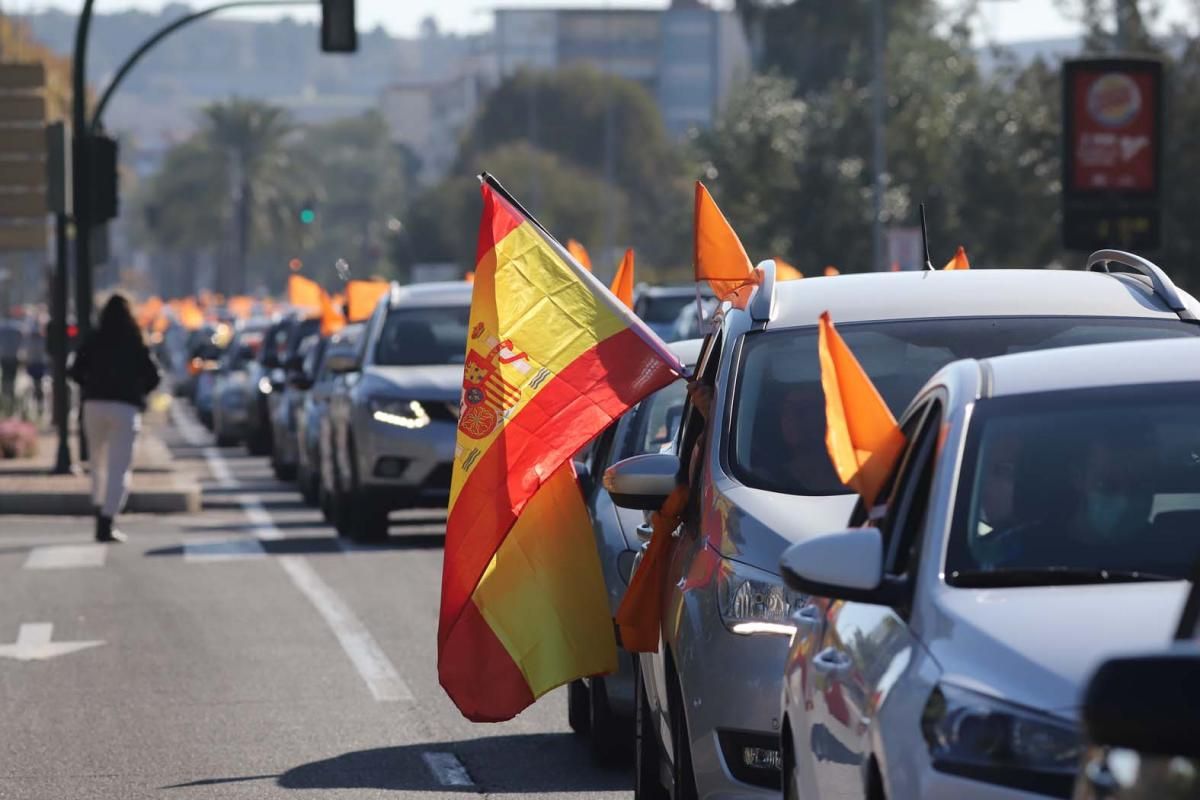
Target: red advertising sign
x=1113 y=118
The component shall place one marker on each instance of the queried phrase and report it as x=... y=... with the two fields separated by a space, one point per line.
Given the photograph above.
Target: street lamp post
x=878 y=150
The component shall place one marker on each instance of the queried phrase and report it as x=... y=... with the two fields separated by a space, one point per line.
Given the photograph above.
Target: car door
x=863 y=646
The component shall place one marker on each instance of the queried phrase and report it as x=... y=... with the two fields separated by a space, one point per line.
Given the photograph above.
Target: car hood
x=755 y=526
x=436 y=382
x=1037 y=646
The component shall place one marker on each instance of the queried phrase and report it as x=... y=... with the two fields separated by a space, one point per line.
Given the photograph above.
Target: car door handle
x=832 y=661
x=807 y=616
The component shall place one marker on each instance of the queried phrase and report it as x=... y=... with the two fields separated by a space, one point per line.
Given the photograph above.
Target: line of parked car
x=1042 y=524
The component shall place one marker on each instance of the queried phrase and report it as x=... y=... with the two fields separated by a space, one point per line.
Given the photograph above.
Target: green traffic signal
x=307 y=216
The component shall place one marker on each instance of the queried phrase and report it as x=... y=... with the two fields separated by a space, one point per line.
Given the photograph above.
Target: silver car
x=315 y=381
x=395 y=417
x=1042 y=518
x=660 y=306
x=603 y=707
x=234 y=393
x=760 y=478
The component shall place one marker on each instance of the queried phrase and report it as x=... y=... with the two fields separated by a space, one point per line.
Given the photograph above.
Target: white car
x=1044 y=516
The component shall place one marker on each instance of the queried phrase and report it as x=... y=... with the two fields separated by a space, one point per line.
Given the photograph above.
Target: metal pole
x=57 y=336
x=1125 y=13
x=81 y=174
x=878 y=155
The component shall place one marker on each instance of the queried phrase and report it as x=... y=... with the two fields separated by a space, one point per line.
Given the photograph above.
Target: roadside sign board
x=22 y=157
x=1112 y=147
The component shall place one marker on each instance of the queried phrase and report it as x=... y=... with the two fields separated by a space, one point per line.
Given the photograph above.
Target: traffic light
x=308 y=213
x=104 y=178
x=338 y=33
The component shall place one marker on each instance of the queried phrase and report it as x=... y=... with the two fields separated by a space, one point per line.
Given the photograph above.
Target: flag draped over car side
x=552 y=359
x=861 y=434
x=622 y=285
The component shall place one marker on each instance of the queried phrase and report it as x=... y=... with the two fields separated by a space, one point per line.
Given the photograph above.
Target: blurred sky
x=1004 y=20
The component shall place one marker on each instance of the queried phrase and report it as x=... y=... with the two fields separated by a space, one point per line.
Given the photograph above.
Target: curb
x=182 y=499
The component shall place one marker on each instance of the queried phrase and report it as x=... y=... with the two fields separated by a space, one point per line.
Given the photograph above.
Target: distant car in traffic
x=316 y=380
x=286 y=402
x=761 y=478
x=660 y=306
x=602 y=707
x=948 y=634
x=394 y=418
x=234 y=393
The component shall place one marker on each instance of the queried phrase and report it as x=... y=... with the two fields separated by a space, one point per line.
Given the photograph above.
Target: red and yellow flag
x=622 y=284
x=861 y=434
x=580 y=254
x=361 y=297
x=959 y=261
x=718 y=255
x=552 y=359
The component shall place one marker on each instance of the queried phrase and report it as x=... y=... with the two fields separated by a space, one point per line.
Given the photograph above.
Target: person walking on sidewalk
x=115 y=372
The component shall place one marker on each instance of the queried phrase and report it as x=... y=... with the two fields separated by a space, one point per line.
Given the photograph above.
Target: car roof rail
x=763 y=300
x=1162 y=284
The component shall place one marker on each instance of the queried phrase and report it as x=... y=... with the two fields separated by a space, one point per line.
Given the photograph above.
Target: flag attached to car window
x=552 y=359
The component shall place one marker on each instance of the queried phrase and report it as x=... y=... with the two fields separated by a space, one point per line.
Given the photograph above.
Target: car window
x=656 y=421
x=1089 y=480
x=423 y=336
x=777 y=437
x=909 y=499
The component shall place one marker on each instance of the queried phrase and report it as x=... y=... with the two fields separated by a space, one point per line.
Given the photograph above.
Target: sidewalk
x=27 y=487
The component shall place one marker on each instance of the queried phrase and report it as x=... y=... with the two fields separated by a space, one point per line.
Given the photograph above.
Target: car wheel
x=683 y=776
x=609 y=733
x=647 y=775
x=259 y=444
x=308 y=485
x=225 y=440
x=577 y=707
x=791 y=788
x=284 y=472
x=368 y=518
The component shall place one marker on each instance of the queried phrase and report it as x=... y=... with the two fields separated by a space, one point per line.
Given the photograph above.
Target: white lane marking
x=66 y=556
x=360 y=646
x=448 y=770
x=33 y=644
x=221 y=549
x=364 y=652
x=193 y=434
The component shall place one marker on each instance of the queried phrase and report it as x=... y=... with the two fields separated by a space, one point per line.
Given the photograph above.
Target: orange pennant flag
x=332 y=320
x=361 y=298
x=831 y=270
x=718 y=255
x=622 y=284
x=786 y=272
x=959 y=261
x=305 y=294
x=580 y=254
x=861 y=435
x=470 y=276
x=241 y=306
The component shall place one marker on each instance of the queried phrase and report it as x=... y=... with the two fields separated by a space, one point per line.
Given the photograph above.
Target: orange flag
x=579 y=253
x=241 y=306
x=861 y=434
x=305 y=293
x=959 y=261
x=831 y=270
x=332 y=320
x=786 y=272
x=719 y=257
x=470 y=276
x=622 y=284
x=361 y=298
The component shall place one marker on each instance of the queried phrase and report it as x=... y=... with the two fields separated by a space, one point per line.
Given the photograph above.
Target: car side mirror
x=1147 y=703
x=642 y=482
x=341 y=363
x=847 y=565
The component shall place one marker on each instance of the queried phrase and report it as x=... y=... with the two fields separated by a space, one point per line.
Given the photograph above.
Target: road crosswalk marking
x=66 y=556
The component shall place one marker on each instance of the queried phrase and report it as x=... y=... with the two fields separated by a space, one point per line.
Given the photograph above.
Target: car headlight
x=991 y=740
x=402 y=413
x=754 y=601
x=264 y=385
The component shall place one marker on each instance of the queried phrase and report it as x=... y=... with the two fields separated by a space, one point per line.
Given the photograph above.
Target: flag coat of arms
x=552 y=359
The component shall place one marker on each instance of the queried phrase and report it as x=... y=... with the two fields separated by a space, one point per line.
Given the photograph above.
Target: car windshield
x=423 y=335
x=1096 y=482
x=778 y=435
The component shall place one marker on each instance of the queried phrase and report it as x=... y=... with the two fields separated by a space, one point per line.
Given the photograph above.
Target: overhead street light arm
x=166 y=31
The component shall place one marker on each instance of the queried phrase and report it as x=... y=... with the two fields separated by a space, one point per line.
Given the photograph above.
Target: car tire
x=368 y=519
x=284 y=472
x=683 y=776
x=308 y=486
x=577 y=707
x=225 y=440
x=259 y=444
x=647 y=782
x=609 y=734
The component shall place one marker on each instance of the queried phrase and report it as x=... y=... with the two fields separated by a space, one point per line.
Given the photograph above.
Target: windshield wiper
x=1049 y=576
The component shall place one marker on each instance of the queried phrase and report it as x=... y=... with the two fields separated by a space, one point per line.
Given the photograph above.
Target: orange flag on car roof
x=579 y=253
x=786 y=272
x=861 y=435
x=305 y=293
x=718 y=255
x=959 y=261
x=361 y=297
x=622 y=284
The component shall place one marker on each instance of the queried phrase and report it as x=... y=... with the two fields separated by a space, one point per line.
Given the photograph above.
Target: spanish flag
x=552 y=358
x=861 y=434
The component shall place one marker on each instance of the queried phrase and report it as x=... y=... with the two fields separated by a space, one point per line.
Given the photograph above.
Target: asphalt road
x=244 y=652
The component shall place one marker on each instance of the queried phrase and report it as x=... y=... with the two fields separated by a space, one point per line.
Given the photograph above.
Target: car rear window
x=423 y=336
x=777 y=439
